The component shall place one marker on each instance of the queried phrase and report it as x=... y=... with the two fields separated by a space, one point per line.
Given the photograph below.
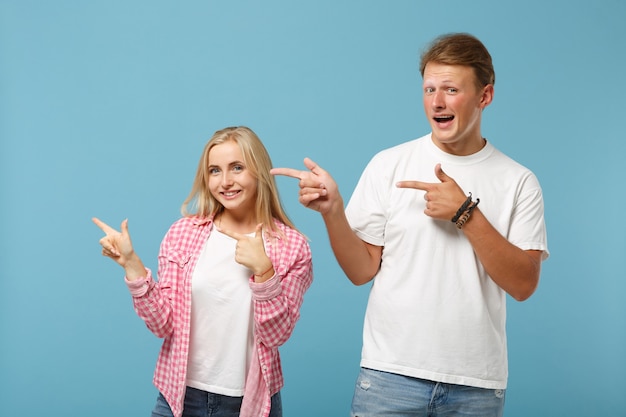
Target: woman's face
x=230 y=181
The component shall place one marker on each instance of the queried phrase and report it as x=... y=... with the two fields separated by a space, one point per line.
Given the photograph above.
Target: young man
x=434 y=339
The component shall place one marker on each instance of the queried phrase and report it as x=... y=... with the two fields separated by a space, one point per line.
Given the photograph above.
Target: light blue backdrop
x=106 y=105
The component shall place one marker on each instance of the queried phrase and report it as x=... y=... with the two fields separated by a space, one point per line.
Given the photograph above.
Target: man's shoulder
x=507 y=160
x=403 y=148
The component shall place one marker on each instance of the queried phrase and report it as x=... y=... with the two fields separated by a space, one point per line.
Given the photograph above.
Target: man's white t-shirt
x=433 y=312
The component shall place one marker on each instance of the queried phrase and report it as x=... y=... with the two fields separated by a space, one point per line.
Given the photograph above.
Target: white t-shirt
x=433 y=312
x=221 y=340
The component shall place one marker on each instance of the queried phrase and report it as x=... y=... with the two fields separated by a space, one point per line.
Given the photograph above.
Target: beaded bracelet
x=462 y=209
x=465 y=217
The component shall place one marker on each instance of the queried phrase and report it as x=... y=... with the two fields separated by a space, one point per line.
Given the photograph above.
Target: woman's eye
x=213 y=171
x=238 y=168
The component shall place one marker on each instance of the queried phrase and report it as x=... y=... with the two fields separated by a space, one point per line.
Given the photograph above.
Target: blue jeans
x=384 y=394
x=200 y=403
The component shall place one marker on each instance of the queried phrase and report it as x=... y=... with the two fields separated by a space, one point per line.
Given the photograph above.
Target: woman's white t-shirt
x=221 y=339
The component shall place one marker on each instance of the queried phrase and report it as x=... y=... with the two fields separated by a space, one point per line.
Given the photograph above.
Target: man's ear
x=487 y=96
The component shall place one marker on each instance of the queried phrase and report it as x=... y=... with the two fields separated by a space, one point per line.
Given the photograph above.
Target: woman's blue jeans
x=200 y=403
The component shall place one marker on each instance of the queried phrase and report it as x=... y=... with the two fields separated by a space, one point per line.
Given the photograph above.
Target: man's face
x=453 y=104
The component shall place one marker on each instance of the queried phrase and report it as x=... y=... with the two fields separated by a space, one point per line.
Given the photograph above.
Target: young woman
x=231 y=279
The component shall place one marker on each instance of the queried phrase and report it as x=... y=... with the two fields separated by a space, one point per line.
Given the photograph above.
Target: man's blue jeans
x=379 y=394
x=200 y=403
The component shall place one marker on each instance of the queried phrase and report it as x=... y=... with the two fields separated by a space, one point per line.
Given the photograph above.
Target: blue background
x=105 y=107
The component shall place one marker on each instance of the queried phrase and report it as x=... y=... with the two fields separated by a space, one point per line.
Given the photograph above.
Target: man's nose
x=438 y=100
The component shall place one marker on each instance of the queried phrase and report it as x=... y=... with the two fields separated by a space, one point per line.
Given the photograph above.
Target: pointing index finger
x=288 y=172
x=102 y=225
x=234 y=235
x=417 y=185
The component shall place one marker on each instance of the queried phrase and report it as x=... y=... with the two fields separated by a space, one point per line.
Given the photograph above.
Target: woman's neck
x=227 y=221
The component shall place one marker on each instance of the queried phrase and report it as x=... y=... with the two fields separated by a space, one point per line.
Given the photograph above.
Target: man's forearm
x=515 y=270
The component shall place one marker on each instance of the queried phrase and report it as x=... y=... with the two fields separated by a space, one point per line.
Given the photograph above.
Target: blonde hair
x=200 y=202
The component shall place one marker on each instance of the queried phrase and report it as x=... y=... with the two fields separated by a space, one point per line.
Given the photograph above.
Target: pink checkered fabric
x=165 y=306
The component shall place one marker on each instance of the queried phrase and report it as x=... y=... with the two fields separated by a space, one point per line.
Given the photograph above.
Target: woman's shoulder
x=289 y=234
x=185 y=224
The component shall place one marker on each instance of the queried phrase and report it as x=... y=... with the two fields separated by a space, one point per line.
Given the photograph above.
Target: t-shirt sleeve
x=366 y=210
x=528 y=228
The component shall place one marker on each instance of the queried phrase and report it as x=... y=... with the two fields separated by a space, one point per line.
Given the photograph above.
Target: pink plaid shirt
x=166 y=309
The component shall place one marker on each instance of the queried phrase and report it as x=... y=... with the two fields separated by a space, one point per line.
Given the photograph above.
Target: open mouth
x=443 y=119
x=229 y=194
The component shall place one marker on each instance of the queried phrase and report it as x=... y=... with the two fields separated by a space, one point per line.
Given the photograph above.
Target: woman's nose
x=227 y=179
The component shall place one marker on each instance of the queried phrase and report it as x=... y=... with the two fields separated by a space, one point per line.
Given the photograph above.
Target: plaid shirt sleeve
x=277 y=301
x=154 y=301
x=165 y=306
x=150 y=305
x=276 y=310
